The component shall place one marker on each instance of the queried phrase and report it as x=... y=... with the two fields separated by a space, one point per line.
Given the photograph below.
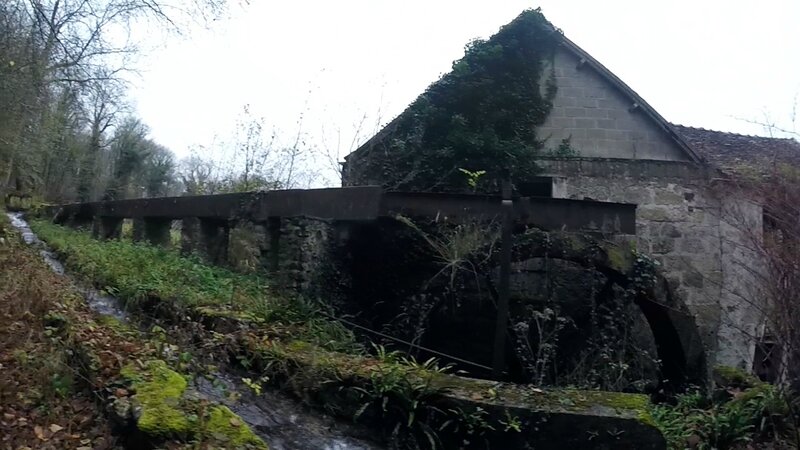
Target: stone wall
x=599 y=119
x=296 y=251
x=684 y=226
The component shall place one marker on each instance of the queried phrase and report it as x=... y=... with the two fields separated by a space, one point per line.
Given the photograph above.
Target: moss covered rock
x=158 y=394
x=548 y=418
x=162 y=410
x=731 y=377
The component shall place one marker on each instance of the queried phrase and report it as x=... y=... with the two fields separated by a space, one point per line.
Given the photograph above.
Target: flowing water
x=280 y=421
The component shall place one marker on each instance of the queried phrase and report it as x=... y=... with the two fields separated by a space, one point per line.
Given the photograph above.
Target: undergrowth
x=745 y=419
x=136 y=272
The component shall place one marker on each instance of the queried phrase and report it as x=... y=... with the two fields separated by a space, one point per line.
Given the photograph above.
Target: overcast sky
x=707 y=63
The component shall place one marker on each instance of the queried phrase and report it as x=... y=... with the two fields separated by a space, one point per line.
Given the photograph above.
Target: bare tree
x=50 y=49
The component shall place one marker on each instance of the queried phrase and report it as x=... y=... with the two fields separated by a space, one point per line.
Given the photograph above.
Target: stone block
x=574 y=112
x=662 y=246
x=669 y=230
x=597 y=113
x=663 y=197
x=692 y=245
x=608 y=124
x=693 y=278
x=653 y=213
x=596 y=134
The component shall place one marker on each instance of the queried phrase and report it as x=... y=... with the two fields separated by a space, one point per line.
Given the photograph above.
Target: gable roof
x=731 y=151
x=636 y=103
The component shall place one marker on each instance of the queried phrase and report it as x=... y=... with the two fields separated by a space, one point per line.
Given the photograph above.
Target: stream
x=282 y=422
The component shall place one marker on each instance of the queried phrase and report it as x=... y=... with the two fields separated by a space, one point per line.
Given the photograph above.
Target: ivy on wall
x=481 y=116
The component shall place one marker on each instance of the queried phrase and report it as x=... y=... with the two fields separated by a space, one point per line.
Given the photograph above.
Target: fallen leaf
x=39 y=432
x=55 y=428
x=235 y=422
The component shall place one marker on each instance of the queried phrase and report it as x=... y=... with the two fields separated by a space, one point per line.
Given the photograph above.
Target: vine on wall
x=481 y=116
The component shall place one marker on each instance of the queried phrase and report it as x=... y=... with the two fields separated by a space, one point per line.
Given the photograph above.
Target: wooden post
x=499 y=360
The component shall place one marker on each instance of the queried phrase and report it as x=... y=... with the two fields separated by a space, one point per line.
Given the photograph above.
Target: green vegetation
x=167 y=413
x=136 y=272
x=482 y=116
x=58 y=360
x=158 y=390
x=732 y=418
x=414 y=404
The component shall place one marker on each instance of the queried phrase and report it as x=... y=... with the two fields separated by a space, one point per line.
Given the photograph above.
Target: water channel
x=282 y=422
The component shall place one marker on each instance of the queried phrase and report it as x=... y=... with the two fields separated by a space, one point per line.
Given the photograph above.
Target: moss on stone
x=165 y=413
x=224 y=425
x=726 y=376
x=316 y=365
x=619 y=259
x=158 y=392
x=212 y=312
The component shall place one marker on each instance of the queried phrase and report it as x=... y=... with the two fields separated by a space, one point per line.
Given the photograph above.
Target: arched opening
x=401 y=286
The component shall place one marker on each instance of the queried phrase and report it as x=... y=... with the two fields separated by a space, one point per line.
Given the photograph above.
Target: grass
x=60 y=363
x=756 y=417
x=309 y=355
x=137 y=271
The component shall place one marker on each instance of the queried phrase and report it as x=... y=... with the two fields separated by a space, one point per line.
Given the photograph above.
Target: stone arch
x=677 y=339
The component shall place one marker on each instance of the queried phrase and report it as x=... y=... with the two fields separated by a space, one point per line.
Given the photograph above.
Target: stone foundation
x=688 y=227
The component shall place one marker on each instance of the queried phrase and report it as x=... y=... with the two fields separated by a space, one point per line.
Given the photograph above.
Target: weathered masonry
x=291 y=232
x=298 y=235
x=209 y=220
x=602 y=141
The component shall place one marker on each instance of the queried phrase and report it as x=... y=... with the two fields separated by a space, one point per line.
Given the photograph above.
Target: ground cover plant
x=70 y=379
x=287 y=342
x=135 y=272
x=740 y=413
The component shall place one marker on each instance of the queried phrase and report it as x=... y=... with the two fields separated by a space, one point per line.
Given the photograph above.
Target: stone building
x=621 y=150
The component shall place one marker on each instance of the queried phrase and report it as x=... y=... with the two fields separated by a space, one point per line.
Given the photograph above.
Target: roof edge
x=605 y=73
x=637 y=100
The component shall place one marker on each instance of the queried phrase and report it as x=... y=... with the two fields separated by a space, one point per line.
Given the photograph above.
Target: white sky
x=707 y=63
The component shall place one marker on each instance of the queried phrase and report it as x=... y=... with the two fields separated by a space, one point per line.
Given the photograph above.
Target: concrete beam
x=352 y=203
x=548 y=213
x=369 y=203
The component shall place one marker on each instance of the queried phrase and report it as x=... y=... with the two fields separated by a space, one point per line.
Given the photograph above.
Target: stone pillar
x=207 y=238
x=274 y=245
x=215 y=234
x=190 y=235
x=105 y=228
x=137 y=233
x=156 y=231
